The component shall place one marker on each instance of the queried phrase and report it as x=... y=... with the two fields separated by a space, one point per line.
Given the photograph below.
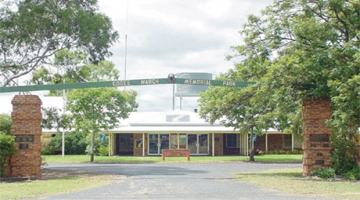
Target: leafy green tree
x=99 y=109
x=53 y=119
x=72 y=67
x=5 y=123
x=32 y=32
x=296 y=50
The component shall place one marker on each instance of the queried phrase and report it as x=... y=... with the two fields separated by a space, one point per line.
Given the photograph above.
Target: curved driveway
x=176 y=181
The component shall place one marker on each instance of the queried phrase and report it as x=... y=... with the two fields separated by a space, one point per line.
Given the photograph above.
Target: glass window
x=287 y=139
x=182 y=142
x=298 y=141
x=174 y=141
x=232 y=140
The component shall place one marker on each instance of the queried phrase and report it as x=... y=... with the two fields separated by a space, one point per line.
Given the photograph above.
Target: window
x=287 y=139
x=232 y=140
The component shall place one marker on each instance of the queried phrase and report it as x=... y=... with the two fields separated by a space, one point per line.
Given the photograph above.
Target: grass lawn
x=42 y=188
x=157 y=159
x=291 y=181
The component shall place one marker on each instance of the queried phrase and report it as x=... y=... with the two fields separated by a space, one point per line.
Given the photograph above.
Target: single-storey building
x=147 y=133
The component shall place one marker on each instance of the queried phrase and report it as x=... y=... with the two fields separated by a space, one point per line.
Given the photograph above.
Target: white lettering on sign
x=197 y=82
x=121 y=83
x=149 y=81
x=228 y=83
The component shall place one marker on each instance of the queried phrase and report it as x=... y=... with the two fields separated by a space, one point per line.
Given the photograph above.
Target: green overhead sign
x=119 y=83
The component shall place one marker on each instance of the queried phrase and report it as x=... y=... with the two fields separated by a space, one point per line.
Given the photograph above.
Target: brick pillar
x=316 y=144
x=26 y=127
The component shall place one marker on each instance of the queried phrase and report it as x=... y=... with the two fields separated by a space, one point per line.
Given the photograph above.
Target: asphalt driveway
x=176 y=181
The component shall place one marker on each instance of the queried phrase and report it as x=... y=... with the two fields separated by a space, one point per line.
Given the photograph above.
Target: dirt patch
x=48 y=174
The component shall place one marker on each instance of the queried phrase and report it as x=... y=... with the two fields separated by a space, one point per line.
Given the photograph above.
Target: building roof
x=174 y=121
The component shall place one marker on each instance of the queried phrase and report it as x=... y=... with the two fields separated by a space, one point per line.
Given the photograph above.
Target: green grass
x=157 y=159
x=291 y=181
x=42 y=188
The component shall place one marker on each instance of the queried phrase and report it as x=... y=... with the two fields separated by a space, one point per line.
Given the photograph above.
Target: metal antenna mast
x=126 y=23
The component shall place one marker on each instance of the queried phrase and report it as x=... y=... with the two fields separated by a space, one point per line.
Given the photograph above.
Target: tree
x=99 y=109
x=31 y=32
x=302 y=49
x=52 y=118
x=72 y=67
x=5 y=123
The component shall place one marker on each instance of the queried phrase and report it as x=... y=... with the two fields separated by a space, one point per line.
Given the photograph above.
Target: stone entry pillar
x=316 y=144
x=26 y=127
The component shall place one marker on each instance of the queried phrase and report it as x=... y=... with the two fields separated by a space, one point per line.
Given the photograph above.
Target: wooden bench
x=175 y=153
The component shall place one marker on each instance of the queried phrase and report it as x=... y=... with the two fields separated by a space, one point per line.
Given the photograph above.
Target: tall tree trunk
x=92 y=147
x=252 y=152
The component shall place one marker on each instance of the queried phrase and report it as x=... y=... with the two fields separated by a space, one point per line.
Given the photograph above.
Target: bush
x=343 y=156
x=75 y=143
x=353 y=174
x=5 y=123
x=103 y=150
x=324 y=173
x=7 y=149
x=284 y=152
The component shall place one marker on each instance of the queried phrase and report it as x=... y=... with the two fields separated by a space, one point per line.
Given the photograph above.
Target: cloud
x=175 y=36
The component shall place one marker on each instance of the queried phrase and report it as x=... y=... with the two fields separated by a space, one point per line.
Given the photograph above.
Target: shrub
x=5 y=123
x=284 y=152
x=353 y=174
x=324 y=173
x=75 y=143
x=103 y=150
x=7 y=149
x=343 y=156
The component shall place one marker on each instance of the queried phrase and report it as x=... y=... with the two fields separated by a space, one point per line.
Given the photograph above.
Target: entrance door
x=157 y=142
x=164 y=142
x=203 y=144
x=177 y=141
x=192 y=143
x=125 y=144
x=198 y=144
x=153 y=143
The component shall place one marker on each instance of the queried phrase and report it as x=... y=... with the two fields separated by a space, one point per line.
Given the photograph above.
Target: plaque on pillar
x=319 y=138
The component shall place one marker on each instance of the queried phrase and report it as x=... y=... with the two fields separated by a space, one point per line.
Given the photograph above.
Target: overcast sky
x=175 y=36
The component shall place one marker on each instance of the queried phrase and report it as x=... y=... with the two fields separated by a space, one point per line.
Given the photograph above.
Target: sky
x=174 y=36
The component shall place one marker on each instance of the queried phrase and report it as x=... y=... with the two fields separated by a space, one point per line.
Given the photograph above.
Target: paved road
x=176 y=181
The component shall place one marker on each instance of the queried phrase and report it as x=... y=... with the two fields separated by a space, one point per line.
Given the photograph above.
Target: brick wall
x=316 y=144
x=219 y=145
x=275 y=142
x=26 y=127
